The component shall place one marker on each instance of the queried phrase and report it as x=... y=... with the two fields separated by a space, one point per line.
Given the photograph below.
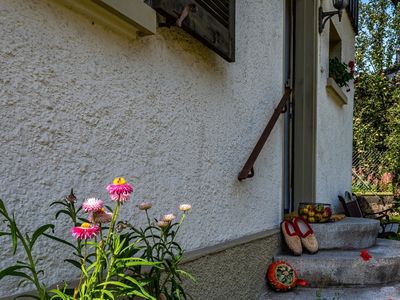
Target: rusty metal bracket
x=248 y=169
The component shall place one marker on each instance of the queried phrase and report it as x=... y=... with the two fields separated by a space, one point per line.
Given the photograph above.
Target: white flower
x=168 y=218
x=185 y=207
x=92 y=205
x=162 y=224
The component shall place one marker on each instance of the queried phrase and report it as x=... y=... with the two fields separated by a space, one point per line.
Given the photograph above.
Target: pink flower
x=92 y=205
x=85 y=231
x=101 y=216
x=119 y=190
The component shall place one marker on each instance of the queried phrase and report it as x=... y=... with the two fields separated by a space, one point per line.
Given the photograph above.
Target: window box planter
x=335 y=91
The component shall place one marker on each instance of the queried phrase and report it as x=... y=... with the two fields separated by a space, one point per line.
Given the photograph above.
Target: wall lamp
x=325 y=16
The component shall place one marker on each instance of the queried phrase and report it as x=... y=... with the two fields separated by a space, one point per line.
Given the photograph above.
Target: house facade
x=92 y=90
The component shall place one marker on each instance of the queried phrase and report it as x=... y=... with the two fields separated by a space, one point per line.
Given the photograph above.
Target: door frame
x=305 y=101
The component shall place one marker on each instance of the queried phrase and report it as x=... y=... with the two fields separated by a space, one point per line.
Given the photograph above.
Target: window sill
x=129 y=17
x=334 y=90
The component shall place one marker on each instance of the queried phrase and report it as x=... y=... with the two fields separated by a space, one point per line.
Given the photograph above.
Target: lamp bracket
x=325 y=16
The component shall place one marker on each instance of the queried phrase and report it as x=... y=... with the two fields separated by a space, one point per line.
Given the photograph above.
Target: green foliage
x=159 y=245
x=393 y=138
x=378 y=37
x=26 y=270
x=119 y=262
x=376 y=103
x=340 y=72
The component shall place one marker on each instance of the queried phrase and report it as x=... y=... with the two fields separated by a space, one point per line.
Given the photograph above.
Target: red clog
x=306 y=234
x=291 y=236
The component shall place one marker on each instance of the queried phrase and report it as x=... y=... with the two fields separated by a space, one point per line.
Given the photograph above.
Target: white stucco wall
x=334 y=120
x=81 y=105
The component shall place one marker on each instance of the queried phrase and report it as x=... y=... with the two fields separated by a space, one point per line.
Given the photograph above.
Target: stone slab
x=340 y=293
x=349 y=233
x=346 y=267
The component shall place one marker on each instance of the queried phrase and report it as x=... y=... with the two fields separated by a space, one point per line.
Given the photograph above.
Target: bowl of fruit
x=315 y=212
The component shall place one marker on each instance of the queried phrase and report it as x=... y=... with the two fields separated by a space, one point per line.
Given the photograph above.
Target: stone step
x=346 y=267
x=349 y=233
x=385 y=292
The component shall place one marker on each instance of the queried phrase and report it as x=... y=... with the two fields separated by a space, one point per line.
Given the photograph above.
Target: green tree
x=376 y=103
x=393 y=138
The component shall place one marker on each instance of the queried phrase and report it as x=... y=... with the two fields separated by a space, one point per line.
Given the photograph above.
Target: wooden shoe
x=306 y=234
x=291 y=236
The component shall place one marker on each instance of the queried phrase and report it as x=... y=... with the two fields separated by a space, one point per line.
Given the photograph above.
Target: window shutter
x=210 y=21
x=353 y=13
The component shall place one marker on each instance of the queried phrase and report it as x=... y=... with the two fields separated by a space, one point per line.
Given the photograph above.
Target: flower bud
x=71 y=197
x=145 y=205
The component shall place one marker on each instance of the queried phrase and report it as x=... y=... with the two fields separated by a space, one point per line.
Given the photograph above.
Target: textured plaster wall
x=334 y=120
x=218 y=277
x=81 y=105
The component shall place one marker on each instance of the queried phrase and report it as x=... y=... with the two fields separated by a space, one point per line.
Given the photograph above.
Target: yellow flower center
x=119 y=180
x=102 y=210
x=85 y=225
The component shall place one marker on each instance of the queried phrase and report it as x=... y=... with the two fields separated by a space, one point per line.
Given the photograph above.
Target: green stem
x=111 y=231
x=151 y=230
x=165 y=282
x=83 y=265
x=177 y=229
x=31 y=264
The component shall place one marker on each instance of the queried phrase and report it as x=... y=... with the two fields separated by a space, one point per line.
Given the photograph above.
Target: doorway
x=301 y=60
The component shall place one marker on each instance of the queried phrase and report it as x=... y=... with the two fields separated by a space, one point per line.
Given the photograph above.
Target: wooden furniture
x=374 y=207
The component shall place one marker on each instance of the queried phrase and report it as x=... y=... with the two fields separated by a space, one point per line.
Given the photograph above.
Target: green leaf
x=12 y=271
x=186 y=274
x=63 y=211
x=60 y=240
x=92 y=265
x=27 y=295
x=83 y=220
x=3 y=210
x=136 y=283
x=59 y=294
x=137 y=293
x=14 y=237
x=116 y=283
x=84 y=271
x=73 y=262
x=38 y=232
x=64 y=203
x=109 y=293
